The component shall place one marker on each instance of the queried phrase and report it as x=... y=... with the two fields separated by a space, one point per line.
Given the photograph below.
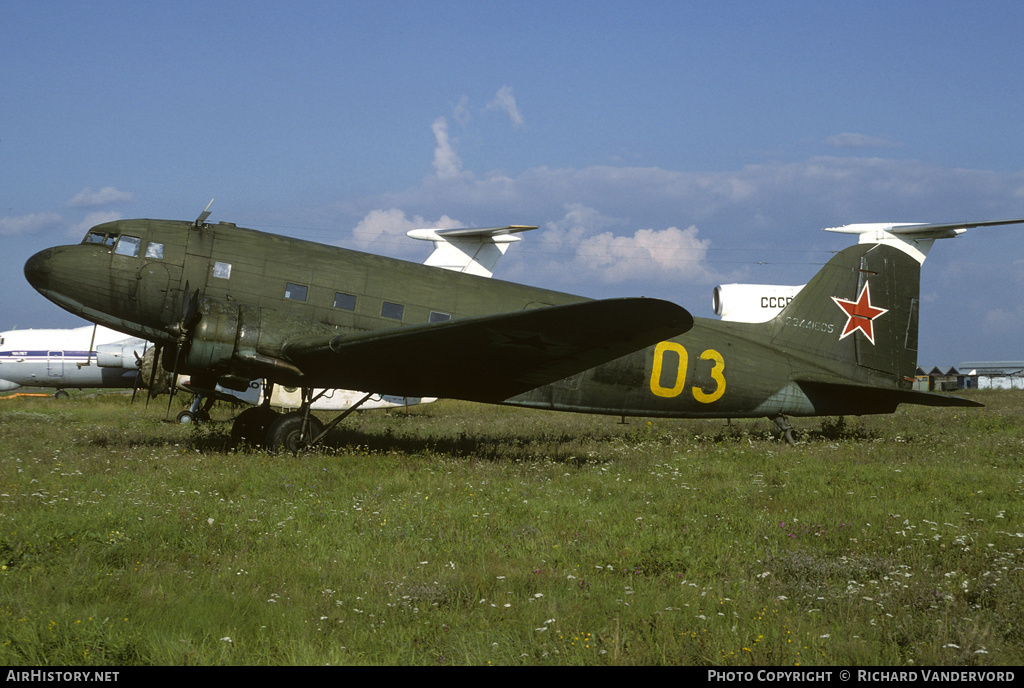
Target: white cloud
x=587 y=247
x=387 y=226
x=671 y=253
x=26 y=224
x=87 y=198
x=505 y=100
x=447 y=164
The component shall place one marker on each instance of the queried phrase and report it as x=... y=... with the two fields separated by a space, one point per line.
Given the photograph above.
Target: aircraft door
x=151 y=291
x=55 y=364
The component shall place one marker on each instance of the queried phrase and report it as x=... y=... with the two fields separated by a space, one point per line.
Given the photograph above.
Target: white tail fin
x=473 y=251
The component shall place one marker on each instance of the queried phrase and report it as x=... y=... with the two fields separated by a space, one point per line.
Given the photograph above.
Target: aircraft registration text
x=813 y=325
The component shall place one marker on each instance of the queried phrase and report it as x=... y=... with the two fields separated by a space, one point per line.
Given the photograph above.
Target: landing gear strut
x=293 y=432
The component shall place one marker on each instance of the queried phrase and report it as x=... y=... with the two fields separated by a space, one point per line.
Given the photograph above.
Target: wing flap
x=489 y=358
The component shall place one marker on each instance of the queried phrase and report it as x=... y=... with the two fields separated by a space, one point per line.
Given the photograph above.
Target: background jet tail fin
x=473 y=251
x=858 y=316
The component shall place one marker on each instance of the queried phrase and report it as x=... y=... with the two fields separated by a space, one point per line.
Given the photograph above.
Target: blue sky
x=662 y=147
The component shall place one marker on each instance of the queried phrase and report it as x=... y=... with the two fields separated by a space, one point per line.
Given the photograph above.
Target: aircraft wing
x=488 y=358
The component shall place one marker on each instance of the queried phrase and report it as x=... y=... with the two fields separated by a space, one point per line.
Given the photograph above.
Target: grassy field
x=459 y=533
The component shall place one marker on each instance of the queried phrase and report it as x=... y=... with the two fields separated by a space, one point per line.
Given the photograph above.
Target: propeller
x=145 y=376
x=138 y=373
x=189 y=318
x=149 y=368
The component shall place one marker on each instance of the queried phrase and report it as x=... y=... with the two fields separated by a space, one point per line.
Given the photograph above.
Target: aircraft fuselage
x=242 y=295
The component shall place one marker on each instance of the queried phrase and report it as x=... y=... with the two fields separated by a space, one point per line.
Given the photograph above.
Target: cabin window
x=296 y=292
x=344 y=301
x=155 y=250
x=223 y=271
x=393 y=311
x=436 y=317
x=128 y=246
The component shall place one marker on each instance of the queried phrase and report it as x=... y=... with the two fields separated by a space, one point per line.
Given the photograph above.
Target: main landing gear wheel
x=292 y=433
x=251 y=425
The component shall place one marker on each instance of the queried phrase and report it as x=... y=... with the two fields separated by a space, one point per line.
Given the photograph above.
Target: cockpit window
x=128 y=246
x=155 y=250
x=100 y=238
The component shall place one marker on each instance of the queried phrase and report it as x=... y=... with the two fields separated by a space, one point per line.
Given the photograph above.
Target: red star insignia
x=860 y=314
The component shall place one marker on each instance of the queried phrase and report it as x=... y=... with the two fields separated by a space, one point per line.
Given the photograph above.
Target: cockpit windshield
x=102 y=238
x=123 y=244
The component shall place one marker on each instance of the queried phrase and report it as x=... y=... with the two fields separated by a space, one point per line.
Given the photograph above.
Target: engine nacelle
x=120 y=355
x=752 y=303
x=212 y=344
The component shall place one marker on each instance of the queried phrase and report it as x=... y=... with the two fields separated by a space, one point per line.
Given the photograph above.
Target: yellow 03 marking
x=717 y=373
x=659 y=357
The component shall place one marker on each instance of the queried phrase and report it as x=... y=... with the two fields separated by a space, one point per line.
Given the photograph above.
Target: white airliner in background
x=88 y=356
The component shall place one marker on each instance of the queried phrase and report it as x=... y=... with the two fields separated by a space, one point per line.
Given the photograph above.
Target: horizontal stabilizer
x=493 y=357
x=844 y=398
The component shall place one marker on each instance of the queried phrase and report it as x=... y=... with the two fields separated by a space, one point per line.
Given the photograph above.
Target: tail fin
x=861 y=312
x=854 y=326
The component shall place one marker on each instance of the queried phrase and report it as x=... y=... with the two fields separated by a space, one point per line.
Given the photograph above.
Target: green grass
x=467 y=534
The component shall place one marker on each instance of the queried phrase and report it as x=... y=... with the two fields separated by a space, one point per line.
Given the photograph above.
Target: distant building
x=937 y=380
x=993 y=374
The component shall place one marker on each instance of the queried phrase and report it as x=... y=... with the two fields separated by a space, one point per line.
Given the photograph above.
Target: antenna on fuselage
x=203 y=215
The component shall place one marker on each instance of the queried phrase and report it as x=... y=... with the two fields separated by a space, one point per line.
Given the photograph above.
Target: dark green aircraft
x=229 y=305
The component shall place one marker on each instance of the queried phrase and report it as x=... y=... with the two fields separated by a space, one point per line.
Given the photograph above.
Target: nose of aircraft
x=37 y=269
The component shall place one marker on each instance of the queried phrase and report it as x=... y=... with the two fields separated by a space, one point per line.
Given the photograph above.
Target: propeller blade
x=189 y=318
x=151 y=387
x=170 y=394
